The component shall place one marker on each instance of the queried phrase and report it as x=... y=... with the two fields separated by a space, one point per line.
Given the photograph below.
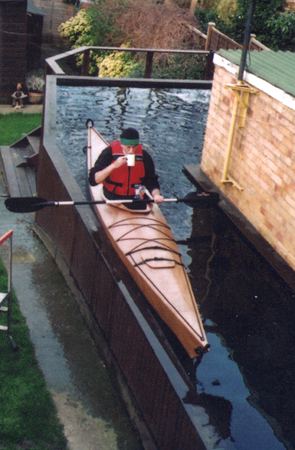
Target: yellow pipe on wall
x=230 y=140
x=240 y=108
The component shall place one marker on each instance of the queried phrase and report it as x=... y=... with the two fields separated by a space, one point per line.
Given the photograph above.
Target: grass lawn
x=28 y=419
x=14 y=125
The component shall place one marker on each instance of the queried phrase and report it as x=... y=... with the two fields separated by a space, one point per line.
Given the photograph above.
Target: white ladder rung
x=3 y=296
x=3 y=327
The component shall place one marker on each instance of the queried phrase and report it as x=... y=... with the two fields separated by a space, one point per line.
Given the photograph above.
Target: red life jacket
x=122 y=180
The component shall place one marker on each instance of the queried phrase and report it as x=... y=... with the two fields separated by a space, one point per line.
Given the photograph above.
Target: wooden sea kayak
x=145 y=244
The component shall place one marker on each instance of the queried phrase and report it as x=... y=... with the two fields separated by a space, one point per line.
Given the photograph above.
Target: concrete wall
x=263 y=157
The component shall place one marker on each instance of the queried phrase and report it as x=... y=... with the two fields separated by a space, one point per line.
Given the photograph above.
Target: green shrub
x=281 y=31
x=204 y=16
x=118 y=65
x=226 y=10
x=264 y=10
x=180 y=67
x=88 y=27
x=272 y=27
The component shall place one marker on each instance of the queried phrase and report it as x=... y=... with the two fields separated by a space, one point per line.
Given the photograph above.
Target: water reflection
x=246 y=382
x=249 y=314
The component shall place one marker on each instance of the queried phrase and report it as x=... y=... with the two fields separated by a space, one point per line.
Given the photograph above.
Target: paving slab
x=27 y=109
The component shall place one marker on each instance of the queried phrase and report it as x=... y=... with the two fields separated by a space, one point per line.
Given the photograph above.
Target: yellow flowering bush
x=89 y=27
x=118 y=65
x=76 y=28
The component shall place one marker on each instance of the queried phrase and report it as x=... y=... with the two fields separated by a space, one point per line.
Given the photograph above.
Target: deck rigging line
x=152 y=247
x=201 y=336
x=155 y=221
x=156 y=224
x=137 y=228
x=156 y=258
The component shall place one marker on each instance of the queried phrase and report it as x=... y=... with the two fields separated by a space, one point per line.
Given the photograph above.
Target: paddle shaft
x=103 y=202
x=31 y=204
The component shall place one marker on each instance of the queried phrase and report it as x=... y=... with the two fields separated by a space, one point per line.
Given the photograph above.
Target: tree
x=193 y=6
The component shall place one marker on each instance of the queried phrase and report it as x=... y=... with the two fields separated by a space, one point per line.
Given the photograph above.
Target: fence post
x=148 y=65
x=209 y=70
x=85 y=64
x=252 y=37
x=193 y=7
x=211 y=25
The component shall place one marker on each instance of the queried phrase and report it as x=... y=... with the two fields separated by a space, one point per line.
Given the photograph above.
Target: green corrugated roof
x=278 y=68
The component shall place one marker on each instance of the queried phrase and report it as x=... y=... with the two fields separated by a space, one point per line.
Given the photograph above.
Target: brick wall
x=262 y=162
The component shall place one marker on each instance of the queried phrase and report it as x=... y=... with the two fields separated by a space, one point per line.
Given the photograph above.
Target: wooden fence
x=13 y=46
x=215 y=40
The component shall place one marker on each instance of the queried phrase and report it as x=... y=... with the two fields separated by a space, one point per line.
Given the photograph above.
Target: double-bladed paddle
x=31 y=204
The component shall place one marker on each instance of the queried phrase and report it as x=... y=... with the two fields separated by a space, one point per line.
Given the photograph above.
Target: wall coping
x=274 y=92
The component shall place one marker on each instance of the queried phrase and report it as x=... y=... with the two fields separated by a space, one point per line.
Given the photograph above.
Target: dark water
x=246 y=382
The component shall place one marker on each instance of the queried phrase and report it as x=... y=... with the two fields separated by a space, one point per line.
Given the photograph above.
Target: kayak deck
x=145 y=244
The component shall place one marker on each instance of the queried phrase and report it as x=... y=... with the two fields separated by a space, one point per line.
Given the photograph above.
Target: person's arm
x=151 y=178
x=104 y=160
x=157 y=196
x=104 y=166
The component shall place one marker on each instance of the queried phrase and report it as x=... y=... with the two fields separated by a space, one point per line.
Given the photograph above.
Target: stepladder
x=6 y=291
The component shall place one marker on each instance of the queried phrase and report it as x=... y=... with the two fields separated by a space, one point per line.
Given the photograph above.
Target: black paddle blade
x=136 y=205
x=199 y=200
x=25 y=204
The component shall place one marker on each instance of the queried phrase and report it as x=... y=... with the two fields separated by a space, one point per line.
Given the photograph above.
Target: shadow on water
x=245 y=383
x=249 y=314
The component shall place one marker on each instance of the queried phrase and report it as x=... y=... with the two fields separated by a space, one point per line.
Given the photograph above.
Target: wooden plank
x=31 y=178
x=10 y=172
x=34 y=141
x=23 y=183
x=20 y=178
x=17 y=157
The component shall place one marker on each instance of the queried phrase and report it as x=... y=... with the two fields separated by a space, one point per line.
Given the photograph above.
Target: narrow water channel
x=245 y=383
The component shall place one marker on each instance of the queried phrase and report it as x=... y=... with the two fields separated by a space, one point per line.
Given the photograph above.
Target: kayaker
x=123 y=166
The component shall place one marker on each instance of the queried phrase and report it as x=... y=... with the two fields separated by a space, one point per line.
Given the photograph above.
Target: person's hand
x=158 y=198
x=119 y=162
